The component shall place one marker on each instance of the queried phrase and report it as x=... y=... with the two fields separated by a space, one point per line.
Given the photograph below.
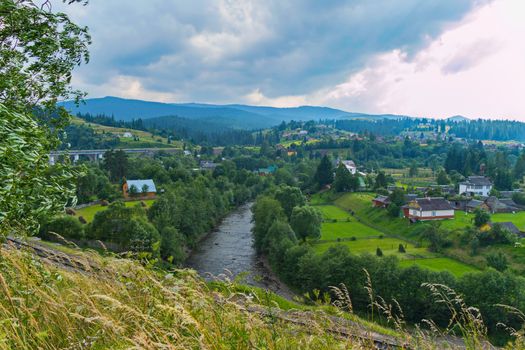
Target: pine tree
x=324 y=174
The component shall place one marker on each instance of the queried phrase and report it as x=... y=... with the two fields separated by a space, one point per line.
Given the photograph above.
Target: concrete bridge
x=98 y=154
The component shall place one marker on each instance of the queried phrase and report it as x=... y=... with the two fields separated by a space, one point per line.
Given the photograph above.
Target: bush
x=498 y=261
x=381 y=236
x=71 y=211
x=82 y=220
x=401 y=248
x=353 y=238
x=379 y=252
x=104 y=203
x=66 y=226
x=143 y=204
x=394 y=210
x=519 y=198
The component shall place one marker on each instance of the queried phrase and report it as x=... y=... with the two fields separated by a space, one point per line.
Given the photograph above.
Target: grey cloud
x=220 y=50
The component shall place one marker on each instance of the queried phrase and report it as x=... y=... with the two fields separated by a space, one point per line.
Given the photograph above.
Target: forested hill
x=233 y=116
x=480 y=129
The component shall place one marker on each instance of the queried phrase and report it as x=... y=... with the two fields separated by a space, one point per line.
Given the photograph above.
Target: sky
x=431 y=58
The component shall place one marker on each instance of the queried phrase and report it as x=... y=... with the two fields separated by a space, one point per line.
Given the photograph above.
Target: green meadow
x=89 y=212
x=440 y=264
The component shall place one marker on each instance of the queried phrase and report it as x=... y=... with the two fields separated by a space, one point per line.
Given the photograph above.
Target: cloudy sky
x=433 y=58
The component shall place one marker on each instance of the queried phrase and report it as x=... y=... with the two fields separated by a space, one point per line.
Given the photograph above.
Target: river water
x=228 y=252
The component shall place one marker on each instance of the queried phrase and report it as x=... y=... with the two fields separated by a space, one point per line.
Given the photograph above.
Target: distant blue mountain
x=233 y=115
x=458 y=118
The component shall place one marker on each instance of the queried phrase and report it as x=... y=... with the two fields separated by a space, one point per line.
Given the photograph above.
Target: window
x=433 y=213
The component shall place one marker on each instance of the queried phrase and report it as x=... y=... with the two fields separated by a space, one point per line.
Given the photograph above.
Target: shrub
x=353 y=238
x=498 y=261
x=379 y=252
x=104 y=203
x=381 y=236
x=71 y=211
x=82 y=220
x=401 y=248
x=143 y=204
x=65 y=226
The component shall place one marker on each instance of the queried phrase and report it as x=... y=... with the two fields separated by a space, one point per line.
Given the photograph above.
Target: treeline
x=296 y=262
x=474 y=160
x=84 y=137
x=103 y=119
x=482 y=129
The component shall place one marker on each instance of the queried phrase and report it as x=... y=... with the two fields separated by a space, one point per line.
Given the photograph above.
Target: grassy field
x=331 y=212
x=378 y=219
x=440 y=264
x=463 y=219
x=388 y=245
x=89 y=212
x=145 y=139
x=332 y=231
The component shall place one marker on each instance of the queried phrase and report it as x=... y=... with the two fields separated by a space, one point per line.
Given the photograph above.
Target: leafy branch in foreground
x=29 y=187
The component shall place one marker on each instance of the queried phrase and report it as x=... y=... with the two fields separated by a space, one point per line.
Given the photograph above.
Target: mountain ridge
x=239 y=116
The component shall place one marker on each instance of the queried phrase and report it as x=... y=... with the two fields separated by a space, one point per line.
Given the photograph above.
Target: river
x=228 y=251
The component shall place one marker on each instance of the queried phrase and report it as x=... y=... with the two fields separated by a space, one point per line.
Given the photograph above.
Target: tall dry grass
x=128 y=306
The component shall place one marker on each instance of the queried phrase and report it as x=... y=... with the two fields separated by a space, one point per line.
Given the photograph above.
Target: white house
x=476 y=186
x=430 y=208
x=350 y=166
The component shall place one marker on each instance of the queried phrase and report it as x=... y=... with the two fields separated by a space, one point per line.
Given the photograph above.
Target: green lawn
x=332 y=231
x=440 y=264
x=89 y=212
x=331 y=212
x=361 y=204
x=462 y=219
x=388 y=245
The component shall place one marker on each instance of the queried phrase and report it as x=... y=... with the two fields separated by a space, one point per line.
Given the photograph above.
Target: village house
x=207 y=165
x=381 y=202
x=476 y=186
x=495 y=205
x=266 y=171
x=139 y=188
x=349 y=165
x=429 y=208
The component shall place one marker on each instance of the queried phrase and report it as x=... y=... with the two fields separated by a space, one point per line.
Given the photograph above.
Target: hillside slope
x=84 y=300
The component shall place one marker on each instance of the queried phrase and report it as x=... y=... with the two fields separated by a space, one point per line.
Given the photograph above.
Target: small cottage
x=139 y=188
x=429 y=208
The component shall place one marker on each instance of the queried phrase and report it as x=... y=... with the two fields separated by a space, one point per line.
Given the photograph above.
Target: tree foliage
x=30 y=188
x=324 y=174
x=306 y=222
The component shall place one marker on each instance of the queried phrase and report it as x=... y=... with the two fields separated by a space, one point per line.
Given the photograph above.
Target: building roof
x=474 y=203
x=268 y=170
x=139 y=184
x=431 y=203
x=382 y=199
x=348 y=163
x=509 y=194
x=496 y=204
x=206 y=164
x=509 y=226
x=477 y=181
